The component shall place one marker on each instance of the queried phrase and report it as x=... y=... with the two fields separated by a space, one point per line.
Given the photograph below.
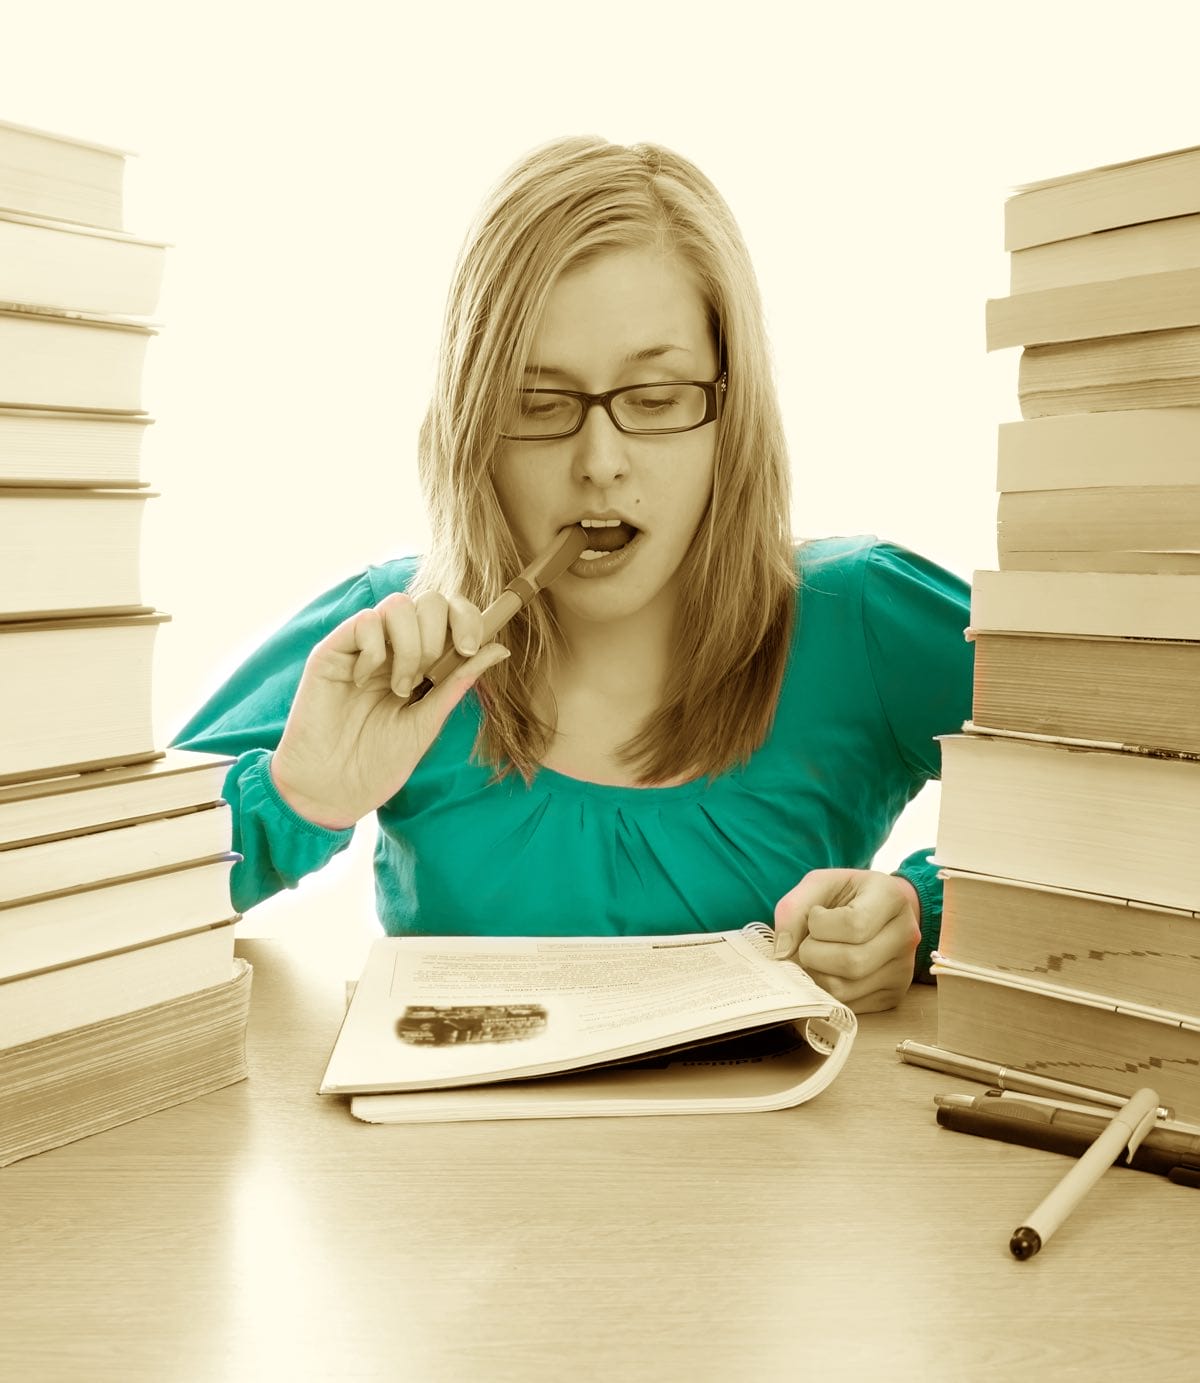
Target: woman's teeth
x=606 y=536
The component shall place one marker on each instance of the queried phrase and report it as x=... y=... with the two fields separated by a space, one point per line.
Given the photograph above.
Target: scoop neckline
x=552 y=779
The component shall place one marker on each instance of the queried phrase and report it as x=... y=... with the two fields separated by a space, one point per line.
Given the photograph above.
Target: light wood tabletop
x=263 y=1233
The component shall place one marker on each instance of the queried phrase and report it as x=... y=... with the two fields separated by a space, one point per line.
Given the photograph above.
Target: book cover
x=1112 y=604
x=1151 y=247
x=97 y=988
x=1111 y=307
x=42 y=809
x=1096 y=199
x=1115 y=948
x=1146 y=446
x=112 y=852
x=1111 y=691
x=1057 y=1032
x=1071 y=816
x=60 y=926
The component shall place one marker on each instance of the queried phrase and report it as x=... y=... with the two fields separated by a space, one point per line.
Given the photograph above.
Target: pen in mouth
x=546 y=567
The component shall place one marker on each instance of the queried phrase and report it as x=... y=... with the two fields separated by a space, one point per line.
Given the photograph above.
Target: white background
x=315 y=167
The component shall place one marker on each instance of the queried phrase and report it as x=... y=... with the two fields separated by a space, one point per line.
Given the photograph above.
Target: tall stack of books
x=1069 y=830
x=119 y=990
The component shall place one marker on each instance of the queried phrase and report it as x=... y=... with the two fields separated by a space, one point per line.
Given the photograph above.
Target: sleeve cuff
x=278 y=845
x=290 y=815
x=923 y=876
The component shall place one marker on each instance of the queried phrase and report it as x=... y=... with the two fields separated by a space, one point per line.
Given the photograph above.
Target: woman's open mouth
x=608 y=550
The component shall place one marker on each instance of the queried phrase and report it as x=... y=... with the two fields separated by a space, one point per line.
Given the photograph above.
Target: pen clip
x=1141 y=1130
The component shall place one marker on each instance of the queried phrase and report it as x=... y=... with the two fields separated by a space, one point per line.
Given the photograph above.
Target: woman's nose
x=600 y=450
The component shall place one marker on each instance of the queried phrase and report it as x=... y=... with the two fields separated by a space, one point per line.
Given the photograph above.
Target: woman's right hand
x=350 y=743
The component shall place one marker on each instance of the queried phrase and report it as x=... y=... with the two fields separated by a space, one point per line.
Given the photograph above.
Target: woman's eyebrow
x=633 y=358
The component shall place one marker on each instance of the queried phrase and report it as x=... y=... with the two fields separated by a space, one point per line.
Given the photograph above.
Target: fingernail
x=781 y=945
x=403 y=689
x=469 y=646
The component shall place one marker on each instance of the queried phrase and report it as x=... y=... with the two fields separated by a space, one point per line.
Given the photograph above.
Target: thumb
x=443 y=698
x=791 y=919
x=817 y=889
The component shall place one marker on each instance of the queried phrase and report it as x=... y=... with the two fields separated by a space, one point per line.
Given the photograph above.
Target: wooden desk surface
x=263 y=1233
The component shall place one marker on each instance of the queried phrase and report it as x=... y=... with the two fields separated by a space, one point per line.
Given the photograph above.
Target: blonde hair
x=559 y=206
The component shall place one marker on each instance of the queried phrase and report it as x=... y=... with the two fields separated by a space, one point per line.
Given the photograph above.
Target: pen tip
x=1025 y=1242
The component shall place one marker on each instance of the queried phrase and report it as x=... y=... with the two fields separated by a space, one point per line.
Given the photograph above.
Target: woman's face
x=631 y=316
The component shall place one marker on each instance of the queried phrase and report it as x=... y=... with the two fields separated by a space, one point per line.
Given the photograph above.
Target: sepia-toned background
x=315 y=167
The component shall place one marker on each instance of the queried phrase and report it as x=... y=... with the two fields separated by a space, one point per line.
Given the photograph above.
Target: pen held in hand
x=546 y=567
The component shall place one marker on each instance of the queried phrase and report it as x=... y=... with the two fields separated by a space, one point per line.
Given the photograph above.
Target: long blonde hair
x=559 y=206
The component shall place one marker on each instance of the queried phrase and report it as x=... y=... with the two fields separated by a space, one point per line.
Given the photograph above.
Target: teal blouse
x=878 y=667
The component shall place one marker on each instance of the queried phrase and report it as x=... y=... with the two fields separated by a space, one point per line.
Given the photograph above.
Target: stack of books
x=119 y=990
x=1069 y=831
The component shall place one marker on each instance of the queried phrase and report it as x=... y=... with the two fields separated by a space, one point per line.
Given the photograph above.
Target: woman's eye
x=535 y=406
x=654 y=403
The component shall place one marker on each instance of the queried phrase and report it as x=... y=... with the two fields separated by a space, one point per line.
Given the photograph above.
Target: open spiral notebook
x=452 y=1028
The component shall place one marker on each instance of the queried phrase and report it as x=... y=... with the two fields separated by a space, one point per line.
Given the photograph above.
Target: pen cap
x=1138 y=1116
x=1025 y=1242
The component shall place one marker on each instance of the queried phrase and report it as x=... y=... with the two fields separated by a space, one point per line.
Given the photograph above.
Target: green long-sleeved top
x=878 y=666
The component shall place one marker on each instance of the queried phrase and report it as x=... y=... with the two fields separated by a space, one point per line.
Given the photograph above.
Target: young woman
x=714 y=725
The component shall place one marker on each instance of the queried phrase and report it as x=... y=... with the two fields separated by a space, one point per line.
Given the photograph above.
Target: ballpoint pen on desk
x=1005 y=1077
x=1170 y=1150
x=1126 y=1129
x=546 y=567
x=1086 y=1114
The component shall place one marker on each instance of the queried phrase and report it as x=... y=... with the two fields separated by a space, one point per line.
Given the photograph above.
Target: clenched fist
x=855 y=931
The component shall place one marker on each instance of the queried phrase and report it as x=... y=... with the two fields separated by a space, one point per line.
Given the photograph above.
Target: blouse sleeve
x=246 y=717
x=915 y=614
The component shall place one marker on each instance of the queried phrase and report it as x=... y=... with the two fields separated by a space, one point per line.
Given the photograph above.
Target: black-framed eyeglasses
x=679 y=405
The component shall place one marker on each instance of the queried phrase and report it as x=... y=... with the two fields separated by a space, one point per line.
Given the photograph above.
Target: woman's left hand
x=855 y=931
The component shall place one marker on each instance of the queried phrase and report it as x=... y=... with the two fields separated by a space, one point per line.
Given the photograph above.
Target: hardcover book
x=1071 y=816
x=50 y=808
x=95 y=1077
x=1150 y=247
x=47 y=727
x=54 y=264
x=71 y=360
x=1058 y=1032
x=1113 y=692
x=46 y=174
x=42 y=447
x=1146 y=369
x=1115 y=948
x=1097 y=199
x=68 y=552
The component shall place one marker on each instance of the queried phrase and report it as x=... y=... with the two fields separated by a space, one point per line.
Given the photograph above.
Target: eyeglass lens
x=649 y=408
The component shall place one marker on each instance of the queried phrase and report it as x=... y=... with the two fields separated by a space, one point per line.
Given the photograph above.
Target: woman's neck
x=625 y=662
